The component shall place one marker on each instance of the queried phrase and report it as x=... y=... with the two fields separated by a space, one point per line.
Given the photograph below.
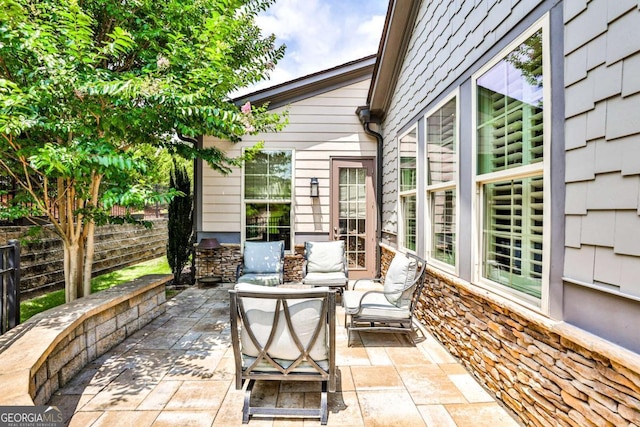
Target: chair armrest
x=367 y=293
x=362 y=298
x=238 y=270
x=373 y=280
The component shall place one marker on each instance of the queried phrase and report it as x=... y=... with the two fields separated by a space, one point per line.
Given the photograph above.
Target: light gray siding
x=602 y=81
x=320 y=127
x=602 y=84
x=448 y=40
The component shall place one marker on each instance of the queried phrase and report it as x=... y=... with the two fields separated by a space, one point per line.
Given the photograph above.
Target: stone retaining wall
x=225 y=260
x=117 y=246
x=548 y=372
x=42 y=354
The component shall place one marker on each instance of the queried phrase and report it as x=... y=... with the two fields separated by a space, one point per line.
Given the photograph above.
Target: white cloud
x=321 y=34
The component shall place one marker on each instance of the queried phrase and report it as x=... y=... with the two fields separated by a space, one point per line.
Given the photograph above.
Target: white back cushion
x=400 y=274
x=325 y=257
x=305 y=315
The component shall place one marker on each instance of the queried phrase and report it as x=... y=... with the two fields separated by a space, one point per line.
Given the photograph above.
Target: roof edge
x=401 y=17
x=312 y=84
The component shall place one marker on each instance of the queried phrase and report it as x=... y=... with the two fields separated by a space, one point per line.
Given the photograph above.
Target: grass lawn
x=31 y=307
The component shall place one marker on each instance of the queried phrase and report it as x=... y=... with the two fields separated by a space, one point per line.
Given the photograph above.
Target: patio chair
x=283 y=334
x=263 y=264
x=325 y=264
x=386 y=305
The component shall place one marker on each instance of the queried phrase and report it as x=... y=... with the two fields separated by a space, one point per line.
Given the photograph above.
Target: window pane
x=268 y=176
x=409 y=221
x=513 y=234
x=279 y=175
x=408 y=161
x=268 y=222
x=255 y=187
x=441 y=144
x=443 y=226
x=509 y=96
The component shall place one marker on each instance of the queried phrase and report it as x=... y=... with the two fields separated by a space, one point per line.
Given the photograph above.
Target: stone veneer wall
x=548 y=372
x=225 y=260
x=117 y=246
x=42 y=354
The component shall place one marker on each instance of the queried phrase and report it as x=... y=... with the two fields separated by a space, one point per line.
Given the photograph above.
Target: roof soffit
x=401 y=16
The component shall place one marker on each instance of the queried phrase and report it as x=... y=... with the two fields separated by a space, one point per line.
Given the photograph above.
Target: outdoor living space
x=179 y=370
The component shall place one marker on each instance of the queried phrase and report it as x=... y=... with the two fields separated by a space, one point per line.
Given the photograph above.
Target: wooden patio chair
x=262 y=264
x=386 y=305
x=283 y=334
x=325 y=264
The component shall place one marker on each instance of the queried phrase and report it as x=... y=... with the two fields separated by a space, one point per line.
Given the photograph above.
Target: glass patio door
x=353 y=213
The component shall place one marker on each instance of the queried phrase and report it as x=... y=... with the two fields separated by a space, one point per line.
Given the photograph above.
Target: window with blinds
x=407 y=188
x=510 y=128
x=267 y=197
x=513 y=234
x=441 y=181
x=510 y=156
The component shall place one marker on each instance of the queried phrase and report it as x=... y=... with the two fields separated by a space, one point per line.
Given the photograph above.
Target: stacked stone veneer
x=224 y=262
x=549 y=373
x=42 y=354
x=117 y=246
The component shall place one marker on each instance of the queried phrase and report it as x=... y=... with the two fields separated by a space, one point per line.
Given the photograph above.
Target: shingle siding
x=586 y=26
x=630 y=75
x=602 y=130
x=621 y=42
x=596 y=121
x=439 y=51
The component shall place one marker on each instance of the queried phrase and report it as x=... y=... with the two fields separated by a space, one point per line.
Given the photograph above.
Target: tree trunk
x=73 y=271
x=89 y=244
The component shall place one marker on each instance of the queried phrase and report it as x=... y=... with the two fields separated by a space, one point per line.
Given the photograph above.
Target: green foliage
x=82 y=84
x=33 y=306
x=180 y=225
x=90 y=90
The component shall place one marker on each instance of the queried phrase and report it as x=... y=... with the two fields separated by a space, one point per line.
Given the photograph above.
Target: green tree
x=180 y=225
x=83 y=83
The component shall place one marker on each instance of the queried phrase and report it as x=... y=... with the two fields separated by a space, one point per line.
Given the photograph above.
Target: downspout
x=365 y=118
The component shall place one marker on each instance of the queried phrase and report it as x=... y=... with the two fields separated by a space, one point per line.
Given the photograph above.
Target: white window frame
x=455 y=184
x=244 y=201
x=536 y=169
x=408 y=193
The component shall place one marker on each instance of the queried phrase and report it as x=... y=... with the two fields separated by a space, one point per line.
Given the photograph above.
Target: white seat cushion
x=325 y=279
x=271 y=279
x=373 y=305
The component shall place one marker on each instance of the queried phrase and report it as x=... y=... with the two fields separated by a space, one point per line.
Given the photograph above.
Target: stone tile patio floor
x=178 y=371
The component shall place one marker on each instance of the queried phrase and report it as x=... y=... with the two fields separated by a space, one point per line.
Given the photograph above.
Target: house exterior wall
x=602 y=90
x=320 y=127
x=449 y=42
x=574 y=361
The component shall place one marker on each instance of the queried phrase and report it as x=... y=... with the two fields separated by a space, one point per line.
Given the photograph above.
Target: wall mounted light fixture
x=314 y=190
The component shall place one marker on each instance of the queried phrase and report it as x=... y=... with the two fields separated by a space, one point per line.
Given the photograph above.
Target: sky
x=321 y=34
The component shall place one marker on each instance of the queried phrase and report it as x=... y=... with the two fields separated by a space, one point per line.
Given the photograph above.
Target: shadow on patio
x=178 y=371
